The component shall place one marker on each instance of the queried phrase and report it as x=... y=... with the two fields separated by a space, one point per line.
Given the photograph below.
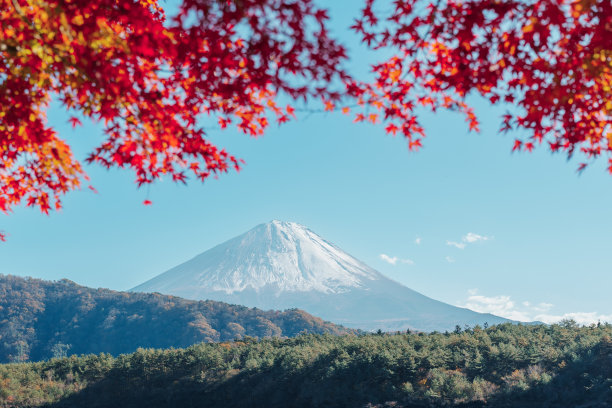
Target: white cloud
x=470 y=237
x=583 y=318
x=393 y=260
x=504 y=306
x=417 y=241
x=543 y=307
x=498 y=305
x=450 y=259
x=459 y=245
x=389 y=259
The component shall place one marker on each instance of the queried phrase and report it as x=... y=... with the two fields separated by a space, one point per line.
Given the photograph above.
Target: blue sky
x=540 y=242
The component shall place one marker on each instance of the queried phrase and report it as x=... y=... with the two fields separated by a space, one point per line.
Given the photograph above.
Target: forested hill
x=507 y=366
x=41 y=319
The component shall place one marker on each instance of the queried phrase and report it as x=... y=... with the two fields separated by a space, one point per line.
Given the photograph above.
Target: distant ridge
x=41 y=319
x=281 y=265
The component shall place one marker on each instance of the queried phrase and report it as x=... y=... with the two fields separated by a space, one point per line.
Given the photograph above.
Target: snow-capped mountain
x=281 y=265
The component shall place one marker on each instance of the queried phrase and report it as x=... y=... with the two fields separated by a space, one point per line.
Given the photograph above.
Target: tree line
x=501 y=366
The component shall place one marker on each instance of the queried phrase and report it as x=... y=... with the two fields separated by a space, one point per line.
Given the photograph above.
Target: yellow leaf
x=78 y=20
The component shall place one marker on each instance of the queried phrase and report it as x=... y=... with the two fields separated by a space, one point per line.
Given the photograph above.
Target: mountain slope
x=39 y=319
x=281 y=265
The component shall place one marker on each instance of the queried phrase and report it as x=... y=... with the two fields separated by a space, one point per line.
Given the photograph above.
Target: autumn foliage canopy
x=149 y=78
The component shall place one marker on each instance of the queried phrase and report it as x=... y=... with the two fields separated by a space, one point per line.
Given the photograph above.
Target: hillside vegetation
x=501 y=366
x=41 y=319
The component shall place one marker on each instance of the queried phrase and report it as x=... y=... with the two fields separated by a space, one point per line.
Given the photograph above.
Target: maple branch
x=19 y=10
x=23 y=16
x=305 y=110
x=432 y=18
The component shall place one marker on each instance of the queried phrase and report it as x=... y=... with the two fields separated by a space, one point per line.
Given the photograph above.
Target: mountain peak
x=283 y=225
x=281 y=265
x=277 y=256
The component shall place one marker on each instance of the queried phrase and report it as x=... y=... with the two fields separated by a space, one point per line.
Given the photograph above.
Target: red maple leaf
x=75 y=121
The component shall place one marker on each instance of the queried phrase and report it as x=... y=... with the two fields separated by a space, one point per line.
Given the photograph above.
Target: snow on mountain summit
x=280 y=256
x=281 y=265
